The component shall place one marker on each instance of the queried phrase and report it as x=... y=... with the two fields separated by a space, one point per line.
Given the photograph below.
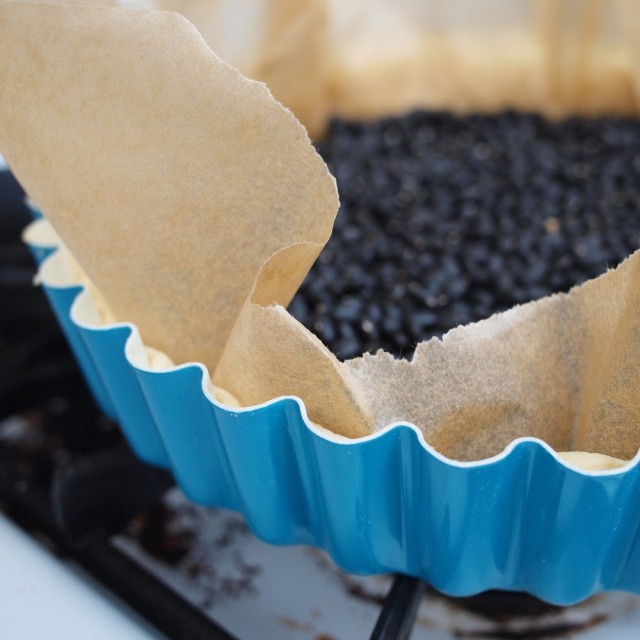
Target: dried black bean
x=445 y=220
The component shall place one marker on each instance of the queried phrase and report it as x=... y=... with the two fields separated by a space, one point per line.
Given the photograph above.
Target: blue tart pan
x=523 y=520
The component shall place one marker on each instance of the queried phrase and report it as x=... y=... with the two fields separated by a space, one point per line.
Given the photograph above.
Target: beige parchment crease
x=170 y=177
x=196 y=205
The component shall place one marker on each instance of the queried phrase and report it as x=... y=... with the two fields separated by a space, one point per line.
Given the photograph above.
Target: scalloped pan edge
x=523 y=520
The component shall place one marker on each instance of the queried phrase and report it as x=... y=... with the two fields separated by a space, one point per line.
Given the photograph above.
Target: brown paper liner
x=196 y=204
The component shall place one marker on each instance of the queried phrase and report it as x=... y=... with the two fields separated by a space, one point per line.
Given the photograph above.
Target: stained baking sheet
x=255 y=589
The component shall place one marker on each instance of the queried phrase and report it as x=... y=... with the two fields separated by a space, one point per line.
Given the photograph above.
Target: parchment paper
x=196 y=205
x=170 y=177
x=372 y=59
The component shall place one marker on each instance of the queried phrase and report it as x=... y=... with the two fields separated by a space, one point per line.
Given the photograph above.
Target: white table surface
x=42 y=597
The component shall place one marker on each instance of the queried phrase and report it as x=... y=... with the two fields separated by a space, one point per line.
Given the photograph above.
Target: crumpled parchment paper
x=196 y=205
